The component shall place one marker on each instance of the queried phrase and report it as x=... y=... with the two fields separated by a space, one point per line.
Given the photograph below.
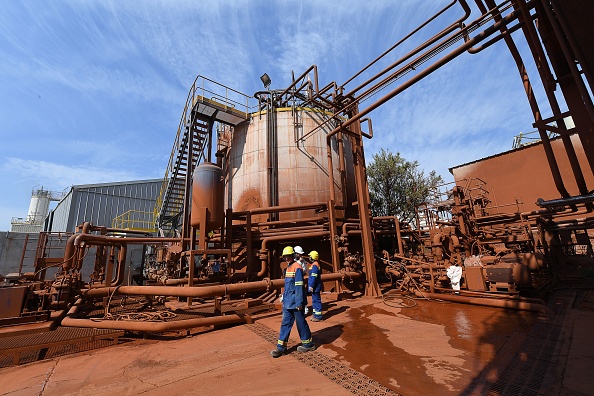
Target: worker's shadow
x=323 y=336
x=331 y=311
x=328 y=335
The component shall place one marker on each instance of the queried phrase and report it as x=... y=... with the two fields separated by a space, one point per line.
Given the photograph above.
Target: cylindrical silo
x=39 y=206
x=300 y=136
x=208 y=192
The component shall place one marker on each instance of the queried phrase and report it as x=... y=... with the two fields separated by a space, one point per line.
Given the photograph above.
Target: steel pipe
x=152 y=327
x=285 y=237
x=205 y=291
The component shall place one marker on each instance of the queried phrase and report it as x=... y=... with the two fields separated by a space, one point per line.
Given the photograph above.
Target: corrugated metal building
x=101 y=203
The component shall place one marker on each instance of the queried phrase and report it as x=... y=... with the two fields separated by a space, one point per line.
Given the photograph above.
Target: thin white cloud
x=57 y=176
x=98 y=86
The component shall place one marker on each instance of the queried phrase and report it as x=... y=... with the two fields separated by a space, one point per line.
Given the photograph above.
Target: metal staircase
x=208 y=102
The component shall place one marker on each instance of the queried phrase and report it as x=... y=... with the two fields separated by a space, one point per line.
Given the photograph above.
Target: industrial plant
x=250 y=174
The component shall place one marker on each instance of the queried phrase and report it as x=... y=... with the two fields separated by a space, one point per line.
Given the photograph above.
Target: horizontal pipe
x=284 y=237
x=489 y=302
x=204 y=291
x=424 y=73
x=580 y=199
x=287 y=230
x=282 y=208
x=158 y=327
x=183 y=281
x=295 y=222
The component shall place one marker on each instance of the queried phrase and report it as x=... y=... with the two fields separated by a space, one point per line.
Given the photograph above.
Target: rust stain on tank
x=251 y=199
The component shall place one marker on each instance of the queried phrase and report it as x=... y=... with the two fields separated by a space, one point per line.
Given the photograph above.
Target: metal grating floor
x=28 y=348
x=530 y=371
x=352 y=380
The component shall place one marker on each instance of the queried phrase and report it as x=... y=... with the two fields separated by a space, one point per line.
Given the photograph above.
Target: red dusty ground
x=364 y=346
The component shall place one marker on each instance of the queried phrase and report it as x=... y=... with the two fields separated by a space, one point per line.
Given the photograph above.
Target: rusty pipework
x=206 y=291
x=286 y=230
x=397 y=226
x=284 y=208
x=71 y=321
x=77 y=239
x=295 y=81
x=565 y=25
x=274 y=209
x=88 y=227
x=362 y=192
x=546 y=75
x=583 y=99
x=424 y=73
x=550 y=155
x=458 y=24
x=120 y=269
x=284 y=237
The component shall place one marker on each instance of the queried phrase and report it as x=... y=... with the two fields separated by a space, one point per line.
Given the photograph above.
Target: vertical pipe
x=571 y=39
x=210 y=127
x=398 y=235
x=546 y=143
x=186 y=227
x=229 y=235
x=579 y=102
x=547 y=78
x=333 y=246
x=191 y=269
x=341 y=162
x=372 y=287
x=330 y=168
x=250 y=248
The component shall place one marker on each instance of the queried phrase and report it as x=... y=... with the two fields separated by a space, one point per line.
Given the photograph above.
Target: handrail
x=220 y=95
x=135 y=220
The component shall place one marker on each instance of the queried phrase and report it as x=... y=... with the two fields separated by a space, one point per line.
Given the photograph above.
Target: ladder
x=208 y=102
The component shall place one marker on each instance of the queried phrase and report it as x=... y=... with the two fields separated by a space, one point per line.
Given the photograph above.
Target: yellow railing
x=135 y=220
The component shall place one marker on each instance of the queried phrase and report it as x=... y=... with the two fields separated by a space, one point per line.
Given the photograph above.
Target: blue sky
x=92 y=91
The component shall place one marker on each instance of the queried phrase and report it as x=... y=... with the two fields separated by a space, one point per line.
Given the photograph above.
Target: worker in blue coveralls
x=314 y=286
x=293 y=304
x=302 y=259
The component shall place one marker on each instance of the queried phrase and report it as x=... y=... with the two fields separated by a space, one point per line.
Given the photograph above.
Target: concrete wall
x=11 y=250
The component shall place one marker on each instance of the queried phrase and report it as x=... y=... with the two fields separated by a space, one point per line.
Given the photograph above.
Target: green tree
x=398 y=186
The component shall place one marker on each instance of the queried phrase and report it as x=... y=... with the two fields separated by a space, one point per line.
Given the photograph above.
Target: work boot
x=301 y=348
x=314 y=319
x=276 y=353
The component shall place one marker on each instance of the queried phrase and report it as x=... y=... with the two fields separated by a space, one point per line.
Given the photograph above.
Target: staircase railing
x=202 y=91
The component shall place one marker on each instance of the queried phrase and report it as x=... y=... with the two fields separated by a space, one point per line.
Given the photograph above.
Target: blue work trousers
x=316 y=304
x=289 y=317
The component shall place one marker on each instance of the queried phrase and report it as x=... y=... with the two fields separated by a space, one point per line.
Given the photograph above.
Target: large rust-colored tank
x=303 y=175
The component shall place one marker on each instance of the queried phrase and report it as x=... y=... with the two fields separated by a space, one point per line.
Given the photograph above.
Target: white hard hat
x=299 y=250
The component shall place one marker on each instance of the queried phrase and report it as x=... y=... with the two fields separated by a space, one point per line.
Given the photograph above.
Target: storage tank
x=39 y=205
x=302 y=166
x=208 y=190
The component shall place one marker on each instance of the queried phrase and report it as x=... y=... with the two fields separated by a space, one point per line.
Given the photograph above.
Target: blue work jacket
x=294 y=295
x=313 y=277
